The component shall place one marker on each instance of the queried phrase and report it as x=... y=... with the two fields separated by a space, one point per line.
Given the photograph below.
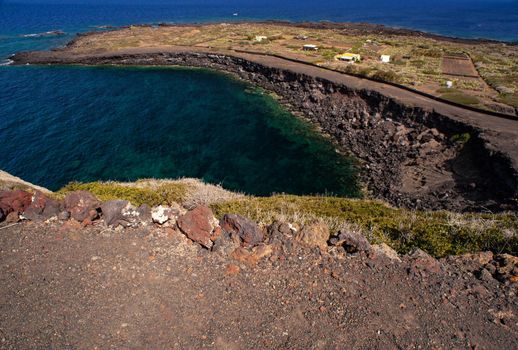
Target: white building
x=310 y=47
x=385 y=58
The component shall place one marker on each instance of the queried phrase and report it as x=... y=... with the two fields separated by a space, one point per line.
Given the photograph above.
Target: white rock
x=160 y=214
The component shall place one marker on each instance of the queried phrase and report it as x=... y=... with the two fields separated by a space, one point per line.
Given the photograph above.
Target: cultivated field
x=484 y=74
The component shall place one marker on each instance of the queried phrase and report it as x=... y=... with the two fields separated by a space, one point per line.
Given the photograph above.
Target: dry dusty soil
x=151 y=288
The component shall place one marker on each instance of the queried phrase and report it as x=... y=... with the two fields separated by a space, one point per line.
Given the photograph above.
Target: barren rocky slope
x=77 y=272
x=66 y=287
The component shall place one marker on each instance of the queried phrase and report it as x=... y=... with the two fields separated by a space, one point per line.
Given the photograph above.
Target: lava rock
x=14 y=201
x=82 y=205
x=64 y=215
x=421 y=263
x=352 y=242
x=120 y=212
x=250 y=234
x=145 y=214
x=12 y=217
x=226 y=243
x=42 y=208
x=279 y=232
x=506 y=267
x=198 y=225
x=384 y=250
x=315 y=234
x=484 y=275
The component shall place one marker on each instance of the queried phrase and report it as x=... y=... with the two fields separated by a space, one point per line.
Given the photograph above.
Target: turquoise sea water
x=77 y=123
x=59 y=124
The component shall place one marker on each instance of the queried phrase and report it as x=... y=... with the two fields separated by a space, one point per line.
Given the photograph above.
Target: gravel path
x=152 y=288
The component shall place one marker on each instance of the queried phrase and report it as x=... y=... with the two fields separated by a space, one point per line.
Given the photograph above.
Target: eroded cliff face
x=409 y=156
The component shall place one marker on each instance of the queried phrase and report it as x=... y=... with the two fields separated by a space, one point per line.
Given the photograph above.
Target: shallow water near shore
x=62 y=124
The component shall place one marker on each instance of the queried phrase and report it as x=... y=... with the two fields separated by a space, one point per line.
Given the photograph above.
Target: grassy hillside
x=439 y=233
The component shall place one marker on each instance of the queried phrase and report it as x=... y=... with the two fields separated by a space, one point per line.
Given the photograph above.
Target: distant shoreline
x=355 y=27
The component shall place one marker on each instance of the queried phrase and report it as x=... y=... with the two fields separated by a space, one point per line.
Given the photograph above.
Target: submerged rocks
x=82 y=205
x=198 y=225
x=250 y=234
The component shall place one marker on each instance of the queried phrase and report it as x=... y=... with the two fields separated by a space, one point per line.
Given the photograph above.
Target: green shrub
x=509 y=99
x=387 y=76
x=167 y=193
x=438 y=233
x=418 y=63
x=459 y=97
x=461 y=138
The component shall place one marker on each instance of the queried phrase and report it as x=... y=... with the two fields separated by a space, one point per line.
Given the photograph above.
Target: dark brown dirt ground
x=153 y=289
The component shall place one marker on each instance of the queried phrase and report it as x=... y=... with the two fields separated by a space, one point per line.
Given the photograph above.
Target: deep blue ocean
x=59 y=124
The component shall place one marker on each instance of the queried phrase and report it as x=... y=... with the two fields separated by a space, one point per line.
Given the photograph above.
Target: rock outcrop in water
x=410 y=156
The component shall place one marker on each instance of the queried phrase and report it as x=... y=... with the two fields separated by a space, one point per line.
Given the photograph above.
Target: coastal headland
x=160 y=263
x=414 y=150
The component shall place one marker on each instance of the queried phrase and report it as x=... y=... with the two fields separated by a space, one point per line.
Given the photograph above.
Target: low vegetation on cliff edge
x=438 y=233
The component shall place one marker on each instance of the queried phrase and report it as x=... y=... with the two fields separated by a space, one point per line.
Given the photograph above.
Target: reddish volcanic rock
x=82 y=205
x=14 y=201
x=197 y=225
x=351 y=241
x=247 y=230
x=42 y=207
x=422 y=263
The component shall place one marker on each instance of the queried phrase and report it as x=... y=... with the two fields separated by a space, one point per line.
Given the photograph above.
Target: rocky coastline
x=409 y=156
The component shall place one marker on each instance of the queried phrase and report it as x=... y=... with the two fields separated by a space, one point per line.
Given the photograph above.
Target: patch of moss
x=386 y=76
x=461 y=98
x=166 y=193
x=509 y=99
x=438 y=233
x=461 y=138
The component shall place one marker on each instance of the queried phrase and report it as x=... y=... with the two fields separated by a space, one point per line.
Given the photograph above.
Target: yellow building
x=348 y=57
